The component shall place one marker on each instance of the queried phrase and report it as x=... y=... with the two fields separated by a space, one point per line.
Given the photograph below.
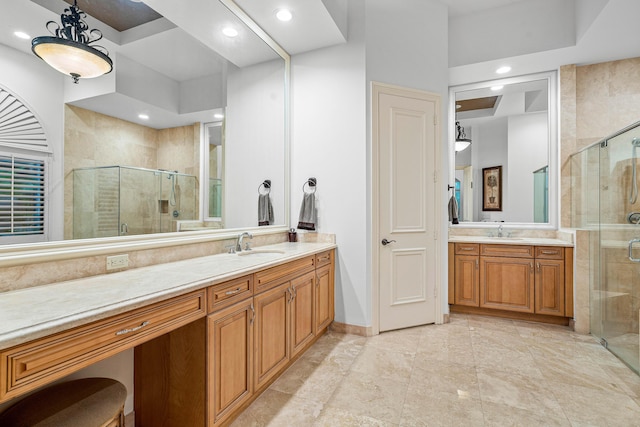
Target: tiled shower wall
x=596 y=100
x=92 y=139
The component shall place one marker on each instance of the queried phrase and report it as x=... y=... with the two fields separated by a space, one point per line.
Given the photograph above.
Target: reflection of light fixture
x=143 y=116
x=503 y=70
x=218 y=116
x=230 y=32
x=284 y=15
x=497 y=88
x=462 y=142
x=68 y=51
x=22 y=35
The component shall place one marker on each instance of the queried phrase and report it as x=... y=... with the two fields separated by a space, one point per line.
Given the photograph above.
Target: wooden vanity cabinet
x=507 y=283
x=230 y=359
x=467 y=274
x=531 y=280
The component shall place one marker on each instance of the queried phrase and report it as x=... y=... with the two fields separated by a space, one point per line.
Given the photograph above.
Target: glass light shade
x=72 y=58
x=461 y=145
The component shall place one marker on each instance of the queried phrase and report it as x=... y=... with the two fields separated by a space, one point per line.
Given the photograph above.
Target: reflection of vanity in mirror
x=182 y=132
x=506 y=127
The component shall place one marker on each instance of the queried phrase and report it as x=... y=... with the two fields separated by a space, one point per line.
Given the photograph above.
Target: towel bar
x=311 y=182
x=267 y=186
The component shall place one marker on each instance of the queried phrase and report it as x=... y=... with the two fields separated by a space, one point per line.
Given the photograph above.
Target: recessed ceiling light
x=218 y=116
x=284 y=15
x=22 y=35
x=143 y=116
x=503 y=70
x=496 y=88
x=230 y=32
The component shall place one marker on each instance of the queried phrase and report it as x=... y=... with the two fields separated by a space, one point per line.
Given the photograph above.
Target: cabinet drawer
x=273 y=276
x=513 y=251
x=467 y=249
x=549 y=252
x=224 y=294
x=28 y=366
x=324 y=258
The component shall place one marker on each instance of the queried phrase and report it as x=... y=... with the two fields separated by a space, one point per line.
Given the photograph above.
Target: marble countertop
x=535 y=241
x=31 y=313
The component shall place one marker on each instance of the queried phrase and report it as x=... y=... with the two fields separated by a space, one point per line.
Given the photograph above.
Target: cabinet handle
x=477 y=264
x=467 y=249
x=538 y=267
x=531 y=267
x=549 y=252
x=253 y=314
x=290 y=295
x=137 y=328
x=235 y=291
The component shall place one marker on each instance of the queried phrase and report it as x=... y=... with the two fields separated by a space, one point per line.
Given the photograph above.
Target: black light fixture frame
x=74 y=32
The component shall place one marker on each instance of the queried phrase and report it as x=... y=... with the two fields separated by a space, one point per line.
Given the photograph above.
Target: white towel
x=265 y=210
x=308 y=216
x=453 y=210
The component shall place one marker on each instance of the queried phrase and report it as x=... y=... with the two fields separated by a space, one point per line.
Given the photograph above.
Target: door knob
x=385 y=242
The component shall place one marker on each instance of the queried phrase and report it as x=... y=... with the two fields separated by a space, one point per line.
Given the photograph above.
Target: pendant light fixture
x=462 y=142
x=69 y=50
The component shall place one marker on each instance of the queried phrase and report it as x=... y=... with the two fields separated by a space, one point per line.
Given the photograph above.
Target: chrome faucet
x=500 y=227
x=239 y=244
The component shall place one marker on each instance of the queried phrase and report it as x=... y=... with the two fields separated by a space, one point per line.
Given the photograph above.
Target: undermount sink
x=260 y=251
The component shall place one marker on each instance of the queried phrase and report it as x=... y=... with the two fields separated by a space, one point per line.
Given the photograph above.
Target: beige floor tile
x=473 y=371
x=404 y=340
x=274 y=409
x=334 y=417
x=518 y=391
x=496 y=415
x=433 y=408
x=590 y=406
x=385 y=363
x=453 y=378
x=371 y=396
x=309 y=380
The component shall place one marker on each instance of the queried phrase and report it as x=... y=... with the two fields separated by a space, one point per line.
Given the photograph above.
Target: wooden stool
x=87 y=402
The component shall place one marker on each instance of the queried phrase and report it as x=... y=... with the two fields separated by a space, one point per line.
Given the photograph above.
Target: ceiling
x=468 y=7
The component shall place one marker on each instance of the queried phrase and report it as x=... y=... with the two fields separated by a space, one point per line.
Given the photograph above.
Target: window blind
x=22 y=196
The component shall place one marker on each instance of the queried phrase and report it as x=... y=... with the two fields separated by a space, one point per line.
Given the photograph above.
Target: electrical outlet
x=117 y=261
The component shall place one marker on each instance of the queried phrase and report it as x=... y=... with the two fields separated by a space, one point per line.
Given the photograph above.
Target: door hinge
x=435 y=119
x=435 y=177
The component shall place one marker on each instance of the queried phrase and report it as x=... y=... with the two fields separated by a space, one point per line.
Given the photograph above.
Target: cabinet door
x=550 y=287
x=302 y=312
x=271 y=333
x=324 y=307
x=507 y=283
x=466 y=287
x=230 y=356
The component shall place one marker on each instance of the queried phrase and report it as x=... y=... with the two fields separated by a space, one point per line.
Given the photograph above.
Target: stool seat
x=87 y=402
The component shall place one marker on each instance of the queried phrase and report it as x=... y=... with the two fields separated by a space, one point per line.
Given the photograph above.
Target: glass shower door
x=619 y=294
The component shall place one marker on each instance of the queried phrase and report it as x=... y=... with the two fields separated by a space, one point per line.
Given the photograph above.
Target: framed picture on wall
x=492 y=188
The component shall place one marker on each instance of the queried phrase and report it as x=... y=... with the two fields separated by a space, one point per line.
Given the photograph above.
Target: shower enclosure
x=122 y=200
x=605 y=203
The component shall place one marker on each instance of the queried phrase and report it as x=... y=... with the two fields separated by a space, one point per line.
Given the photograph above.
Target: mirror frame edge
x=554 y=146
x=57 y=250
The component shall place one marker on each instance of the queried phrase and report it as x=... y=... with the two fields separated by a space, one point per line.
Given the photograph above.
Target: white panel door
x=406 y=126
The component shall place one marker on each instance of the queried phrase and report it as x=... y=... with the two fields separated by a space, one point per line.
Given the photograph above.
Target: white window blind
x=22 y=195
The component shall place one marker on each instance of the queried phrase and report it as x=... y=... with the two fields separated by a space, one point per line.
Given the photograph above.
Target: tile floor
x=474 y=371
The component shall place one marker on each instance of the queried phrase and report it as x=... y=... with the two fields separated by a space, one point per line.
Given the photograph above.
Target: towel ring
x=311 y=182
x=266 y=184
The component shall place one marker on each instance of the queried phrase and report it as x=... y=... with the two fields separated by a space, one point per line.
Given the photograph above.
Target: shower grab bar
x=633 y=196
x=631 y=242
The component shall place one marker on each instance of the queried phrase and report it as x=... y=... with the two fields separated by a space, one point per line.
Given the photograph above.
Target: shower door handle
x=631 y=242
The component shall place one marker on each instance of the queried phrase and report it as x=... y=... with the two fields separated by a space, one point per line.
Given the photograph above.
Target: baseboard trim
x=344 y=328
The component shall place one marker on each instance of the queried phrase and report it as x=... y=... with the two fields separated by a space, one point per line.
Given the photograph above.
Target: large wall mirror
x=504 y=149
x=183 y=131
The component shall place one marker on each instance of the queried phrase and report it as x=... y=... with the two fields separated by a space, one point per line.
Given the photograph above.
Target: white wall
x=41 y=88
x=490 y=147
x=400 y=43
x=329 y=142
x=253 y=147
x=528 y=151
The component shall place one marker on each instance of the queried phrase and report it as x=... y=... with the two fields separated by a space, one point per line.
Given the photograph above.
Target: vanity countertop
x=31 y=313
x=533 y=241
